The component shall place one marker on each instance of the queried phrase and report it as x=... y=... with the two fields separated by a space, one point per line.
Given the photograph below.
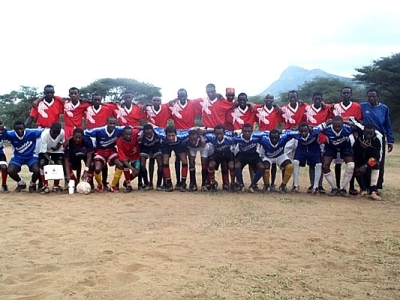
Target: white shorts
x=290 y=148
x=277 y=160
x=203 y=151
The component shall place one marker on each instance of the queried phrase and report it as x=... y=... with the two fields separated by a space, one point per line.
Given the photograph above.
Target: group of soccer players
x=315 y=133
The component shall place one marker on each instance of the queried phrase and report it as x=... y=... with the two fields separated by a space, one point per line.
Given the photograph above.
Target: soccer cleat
x=20 y=187
x=113 y=189
x=192 y=187
x=160 y=188
x=56 y=189
x=343 y=193
x=333 y=192
x=44 y=190
x=266 y=188
x=314 y=191
x=128 y=189
x=273 y=188
x=149 y=187
x=32 y=188
x=214 y=186
x=168 y=188
x=241 y=188
x=100 y=188
x=256 y=188
x=178 y=186
x=4 y=188
x=282 y=189
x=251 y=189
x=353 y=192
x=183 y=187
x=363 y=193
x=204 y=188
x=225 y=186
x=309 y=190
x=375 y=196
x=321 y=190
x=295 y=189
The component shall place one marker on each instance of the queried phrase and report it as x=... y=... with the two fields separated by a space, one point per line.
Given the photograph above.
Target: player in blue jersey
x=23 y=142
x=172 y=141
x=273 y=152
x=3 y=162
x=222 y=155
x=377 y=114
x=338 y=141
x=150 y=147
x=308 y=151
x=77 y=149
x=247 y=144
x=106 y=152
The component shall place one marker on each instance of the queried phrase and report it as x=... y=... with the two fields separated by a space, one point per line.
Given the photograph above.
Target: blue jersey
x=104 y=139
x=154 y=141
x=72 y=151
x=379 y=117
x=337 y=139
x=271 y=150
x=181 y=135
x=220 y=147
x=247 y=146
x=24 y=146
x=189 y=144
x=311 y=139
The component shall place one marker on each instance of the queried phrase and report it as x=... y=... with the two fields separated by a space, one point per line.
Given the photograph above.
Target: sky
x=187 y=44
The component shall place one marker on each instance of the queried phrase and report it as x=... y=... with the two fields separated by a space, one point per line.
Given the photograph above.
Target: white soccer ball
x=83 y=187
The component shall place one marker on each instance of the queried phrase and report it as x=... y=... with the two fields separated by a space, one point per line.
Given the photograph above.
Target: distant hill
x=294 y=76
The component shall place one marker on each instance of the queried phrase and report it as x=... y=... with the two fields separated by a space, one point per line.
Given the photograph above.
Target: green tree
x=17 y=104
x=113 y=88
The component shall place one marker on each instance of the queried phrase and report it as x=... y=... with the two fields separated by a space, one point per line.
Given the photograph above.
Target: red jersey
x=73 y=114
x=316 y=116
x=129 y=116
x=214 y=112
x=293 y=116
x=129 y=150
x=238 y=117
x=48 y=113
x=160 y=117
x=184 y=115
x=352 y=110
x=268 y=119
x=98 y=117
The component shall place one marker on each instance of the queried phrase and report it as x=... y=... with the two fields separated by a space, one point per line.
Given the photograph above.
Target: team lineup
x=315 y=134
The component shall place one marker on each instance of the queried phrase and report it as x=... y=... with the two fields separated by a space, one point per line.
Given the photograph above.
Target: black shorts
x=219 y=157
x=53 y=156
x=3 y=157
x=249 y=159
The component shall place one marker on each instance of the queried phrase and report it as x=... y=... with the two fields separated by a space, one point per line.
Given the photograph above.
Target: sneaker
x=273 y=188
x=296 y=189
x=4 y=188
x=128 y=189
x=232 y=187
x=214 y=186
x=168 y=188
x=178 y=186
x=353 y=192
x=334 y=192
x=56 y=189
x=100 y=188
x=113 y=189
x=160 y=188
x=282 y=189
x=183 y=187
x=375 y=196
x=240 y=188
x=40 y=185
x=343 y=193
x=321 y=190
x=256 y=188
x=266 y=188
x=225 y=186
x=20 y=187
x=309 y=190
x=251 y=189
x=315 y=191
x=192 y=187
x=44 y=190
x=32 y=188
x=363 y=193
x=150 y=187
x=204 y=188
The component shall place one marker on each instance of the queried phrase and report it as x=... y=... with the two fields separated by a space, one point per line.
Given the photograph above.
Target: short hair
x=170 y=129
x=369 y=126
x=56 y=125
x=316 y=94
x=242 y=94
x=73 y=89
x=303 y=124
x=337 y=118
x=147 y=127
x=19 y=123
x=371 y=90
x=127 y=128
x=78 y=130
x=346 y=87
x=219 y=126
x=49 y=86
x=95 y=94
x=193 y=132
x=274 y=131
x=111 y=118
x=247 y=125
x=182 y=90
x=210 y=85
x=293 y=91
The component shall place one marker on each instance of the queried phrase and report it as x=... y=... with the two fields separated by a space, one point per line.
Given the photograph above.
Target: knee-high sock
x=166 y=172
x=56 y=182
x=239 y=176
x=348 y=173
x=266 y=176
x=117 y=177
x=257 y=175
x=184 y=172
x=374 y=177
x=97 y=177
x=44 y=181
x=177 y=169
x=143 y=173
x=352 y=182
x=317 y=175
x=232 y=173
x=151 y=169
x=296 y=169
x=104 y=173
x=204 y=174
x=159 y=177
x=311 y=174
x=192 y=175
x=273 y=173
x=331 y=181
x=287 y=174
x=127 y=175
x=4 y=177
x=211 y=176
x=338 y=170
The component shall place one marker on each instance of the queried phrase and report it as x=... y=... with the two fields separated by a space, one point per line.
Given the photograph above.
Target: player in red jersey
x=267 y=115
x=293 y=112
x=48 y=111
x=129 y=155
x=129 y=114
x=98 y=113
x=241 y=114
x=156 y=113
x=230 y=96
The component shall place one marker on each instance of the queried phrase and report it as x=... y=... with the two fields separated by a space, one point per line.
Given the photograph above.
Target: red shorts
x=106 y=156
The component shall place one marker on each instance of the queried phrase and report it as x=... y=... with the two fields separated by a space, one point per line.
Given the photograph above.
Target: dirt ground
x=157 y=245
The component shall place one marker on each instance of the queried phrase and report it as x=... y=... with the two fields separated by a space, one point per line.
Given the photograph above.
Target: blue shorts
x=308 y=154
x=344 y=150
x=150 y=151
x=19 y=161
x=178 y=149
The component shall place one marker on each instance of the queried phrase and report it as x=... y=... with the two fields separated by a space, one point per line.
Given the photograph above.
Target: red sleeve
x=121 y=152
x=34 y=112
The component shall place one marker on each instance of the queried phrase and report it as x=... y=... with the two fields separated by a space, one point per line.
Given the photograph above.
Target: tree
x=113 y=88
x=17 y=104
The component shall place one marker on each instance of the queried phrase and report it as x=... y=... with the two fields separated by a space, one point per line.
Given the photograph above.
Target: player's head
x=337 y=123
x=211 y=92
x=219 y=132
x=369 y=131
x=55 y=129
x=317 y=99
x=346 y=93
x=127 y=97
x=148 y=131
x=372 y=95
x=170 y=132
x=156 y=101
x=242 y=99
x=73 y=93
x=247 y=130
x=48 y=92
x=230 y=94
x=182 y=95
x=96 y=99
x=193 y=136
x=77 y=136
x=292 y=96
x=127 y=133
x=274 y=136
x=304 y=129
x=112 y=122
x=269 y=99
x=19 y=128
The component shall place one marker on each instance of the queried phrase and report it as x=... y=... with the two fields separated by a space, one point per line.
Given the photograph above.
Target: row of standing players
x=214 y=110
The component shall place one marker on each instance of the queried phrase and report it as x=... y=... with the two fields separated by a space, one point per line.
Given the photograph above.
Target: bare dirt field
x=157 y=245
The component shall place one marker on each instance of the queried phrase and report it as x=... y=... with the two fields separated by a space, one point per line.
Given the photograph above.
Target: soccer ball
x=83 y=187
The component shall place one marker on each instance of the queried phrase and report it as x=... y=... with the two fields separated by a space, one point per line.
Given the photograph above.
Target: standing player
x=3 y=161
x=230 y=96
x=23 y=142
x=129 y=113
x=242 y=114
x=51 y=152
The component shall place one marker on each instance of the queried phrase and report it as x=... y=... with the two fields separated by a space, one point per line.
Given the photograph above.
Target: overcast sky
x=188 y=44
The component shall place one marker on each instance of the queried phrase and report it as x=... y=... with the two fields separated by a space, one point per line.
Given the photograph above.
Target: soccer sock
x=192 y=174
x=151 y=169
x=273 y=174
x=204 y=174
x=184 y=172
x=232 y=173
x=296 y=169
x=177 y=170
x=287 y=174
x=73 y=177
x=348 y=173
x=4 y=177
x=338 y=170
x=225 y=177
x=144 y=176
x=329 y=178
x=127 y=175
x=56 y=182
x=257 y=175
x=166 y=172
x=266 y=176
x=97 y=177
x=239 y=176
x=317 y=175
x=159 y=177
x=311 y=173
x=44 y=181
x=90 y=178
x=211 y=176
x=104 y=173
x=374 y=177
x=117 y=177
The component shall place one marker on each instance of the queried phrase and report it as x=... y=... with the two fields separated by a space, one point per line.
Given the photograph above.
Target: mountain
x=294 y=76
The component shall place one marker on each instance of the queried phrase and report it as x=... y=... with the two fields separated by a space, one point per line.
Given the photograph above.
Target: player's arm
x=29 y=121
x=85 y=175
x=36 y=102
x=67 y=169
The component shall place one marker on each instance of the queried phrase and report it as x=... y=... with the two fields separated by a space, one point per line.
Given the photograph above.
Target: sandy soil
x=157 y=245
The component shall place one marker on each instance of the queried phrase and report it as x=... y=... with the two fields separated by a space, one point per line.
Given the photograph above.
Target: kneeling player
x=3 y=162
